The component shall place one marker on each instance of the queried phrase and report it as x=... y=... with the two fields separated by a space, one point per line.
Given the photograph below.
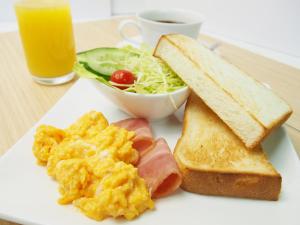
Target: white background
x=274 y=25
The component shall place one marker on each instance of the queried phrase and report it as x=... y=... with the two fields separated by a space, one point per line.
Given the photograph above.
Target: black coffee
x=169 y=21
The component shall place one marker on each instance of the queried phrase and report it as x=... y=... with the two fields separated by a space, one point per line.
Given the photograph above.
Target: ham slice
x=156 y=164
x=159 y=169
x=143 y=139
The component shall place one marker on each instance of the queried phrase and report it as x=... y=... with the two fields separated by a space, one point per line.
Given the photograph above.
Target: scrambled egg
x=46 y=138
x=92 y=162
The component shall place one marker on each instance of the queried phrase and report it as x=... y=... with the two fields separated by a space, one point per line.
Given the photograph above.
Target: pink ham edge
x=143 y=139
x=159 y=169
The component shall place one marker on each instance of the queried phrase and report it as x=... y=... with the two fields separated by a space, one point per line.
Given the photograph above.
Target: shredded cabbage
x=153 y=75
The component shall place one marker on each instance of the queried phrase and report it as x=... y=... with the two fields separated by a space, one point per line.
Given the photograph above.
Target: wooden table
x=23 y=102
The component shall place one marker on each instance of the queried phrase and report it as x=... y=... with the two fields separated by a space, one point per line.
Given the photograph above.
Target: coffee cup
x=151 y=24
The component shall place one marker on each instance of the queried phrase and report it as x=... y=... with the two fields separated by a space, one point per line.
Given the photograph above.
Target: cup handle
x=125 y=23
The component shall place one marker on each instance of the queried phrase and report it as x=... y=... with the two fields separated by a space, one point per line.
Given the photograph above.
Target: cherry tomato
x=122 y=77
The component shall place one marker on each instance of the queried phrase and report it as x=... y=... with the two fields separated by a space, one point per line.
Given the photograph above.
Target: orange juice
x=46 y=31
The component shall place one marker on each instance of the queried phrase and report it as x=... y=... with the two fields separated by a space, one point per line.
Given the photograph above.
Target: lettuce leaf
x=82 y=71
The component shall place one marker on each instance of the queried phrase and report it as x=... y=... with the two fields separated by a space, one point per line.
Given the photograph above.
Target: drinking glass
x=46 y=31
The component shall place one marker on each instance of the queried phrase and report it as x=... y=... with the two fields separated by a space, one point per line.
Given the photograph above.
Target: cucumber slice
x=104 y=61
x=88 y=68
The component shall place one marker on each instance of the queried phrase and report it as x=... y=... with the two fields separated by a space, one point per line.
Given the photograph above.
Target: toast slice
x=214 y=161
x=249 y=108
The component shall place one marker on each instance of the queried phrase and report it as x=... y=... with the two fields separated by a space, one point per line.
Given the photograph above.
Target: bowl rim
x=183 y=89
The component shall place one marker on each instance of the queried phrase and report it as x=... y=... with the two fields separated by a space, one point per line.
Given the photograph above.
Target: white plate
x=28 y=195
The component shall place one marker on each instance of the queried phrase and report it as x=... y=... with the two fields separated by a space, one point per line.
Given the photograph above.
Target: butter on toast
x=249 y=108
x=214 y=161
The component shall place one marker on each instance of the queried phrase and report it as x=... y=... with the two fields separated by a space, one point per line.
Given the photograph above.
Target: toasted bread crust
x=243 y=185
x=264 y=130
x=256 y=185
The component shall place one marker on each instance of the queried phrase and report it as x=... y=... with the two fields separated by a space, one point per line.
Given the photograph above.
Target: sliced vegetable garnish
x=123 y=78
x=105 y=61
x=81 y=71
x=152 y=75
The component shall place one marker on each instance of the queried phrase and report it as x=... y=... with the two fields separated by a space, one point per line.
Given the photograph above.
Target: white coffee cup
x=156 y=22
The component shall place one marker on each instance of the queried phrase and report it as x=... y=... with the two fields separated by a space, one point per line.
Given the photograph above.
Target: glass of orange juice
x=46 y=32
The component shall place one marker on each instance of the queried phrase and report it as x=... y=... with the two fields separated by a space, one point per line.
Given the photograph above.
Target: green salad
x=128 y=68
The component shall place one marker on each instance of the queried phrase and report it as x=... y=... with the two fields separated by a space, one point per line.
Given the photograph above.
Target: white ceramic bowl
x=149 y=106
